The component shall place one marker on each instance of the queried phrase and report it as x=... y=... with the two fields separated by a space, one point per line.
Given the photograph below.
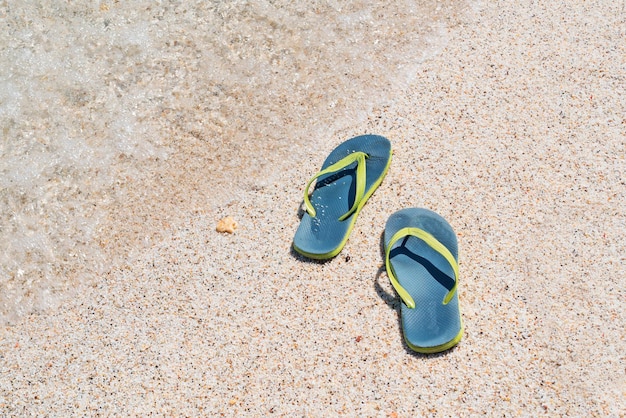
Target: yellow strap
x=435 y=245
x=359 y=157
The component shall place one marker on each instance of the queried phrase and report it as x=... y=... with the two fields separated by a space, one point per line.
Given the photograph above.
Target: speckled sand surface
x=515 y=133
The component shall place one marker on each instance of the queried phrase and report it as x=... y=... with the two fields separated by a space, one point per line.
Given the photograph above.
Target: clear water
x=96 y=96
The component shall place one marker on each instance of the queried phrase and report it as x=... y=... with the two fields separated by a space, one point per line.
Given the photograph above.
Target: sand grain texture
x=515 y=133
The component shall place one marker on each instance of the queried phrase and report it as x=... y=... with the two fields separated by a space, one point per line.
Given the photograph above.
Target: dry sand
x=515 y=133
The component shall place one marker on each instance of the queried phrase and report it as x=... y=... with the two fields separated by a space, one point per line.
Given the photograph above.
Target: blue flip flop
x=421 y=257
x=347 y=179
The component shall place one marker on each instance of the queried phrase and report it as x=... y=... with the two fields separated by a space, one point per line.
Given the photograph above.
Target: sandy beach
x=514 y=131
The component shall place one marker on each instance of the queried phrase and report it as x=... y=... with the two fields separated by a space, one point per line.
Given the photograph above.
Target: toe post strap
x=435 y=245
x=358 y=157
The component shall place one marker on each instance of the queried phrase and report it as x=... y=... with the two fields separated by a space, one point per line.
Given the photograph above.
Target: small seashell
x=227 y=224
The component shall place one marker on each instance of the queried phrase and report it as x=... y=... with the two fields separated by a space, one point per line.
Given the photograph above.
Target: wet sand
x=515 y=133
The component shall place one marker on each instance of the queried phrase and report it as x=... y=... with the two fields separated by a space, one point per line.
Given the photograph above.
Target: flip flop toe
x=421 y=258
x=347 y=179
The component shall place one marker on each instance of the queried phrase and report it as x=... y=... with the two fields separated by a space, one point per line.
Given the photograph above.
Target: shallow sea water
x=99 y=103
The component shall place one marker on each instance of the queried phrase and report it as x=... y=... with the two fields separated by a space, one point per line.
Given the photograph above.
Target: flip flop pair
x=421 y=250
